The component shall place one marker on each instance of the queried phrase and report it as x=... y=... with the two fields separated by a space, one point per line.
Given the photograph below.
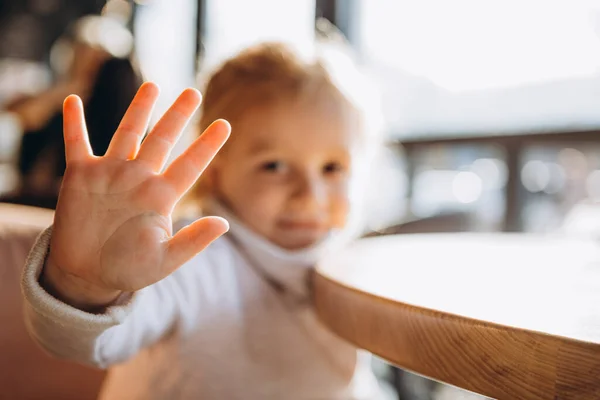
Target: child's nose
x=311 y=192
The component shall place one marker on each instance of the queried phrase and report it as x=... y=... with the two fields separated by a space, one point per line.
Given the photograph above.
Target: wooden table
x=509 y=316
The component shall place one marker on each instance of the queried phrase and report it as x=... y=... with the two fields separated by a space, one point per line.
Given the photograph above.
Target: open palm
x=112 y=228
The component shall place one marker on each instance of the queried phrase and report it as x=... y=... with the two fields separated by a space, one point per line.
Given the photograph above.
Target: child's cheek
x=340 y=211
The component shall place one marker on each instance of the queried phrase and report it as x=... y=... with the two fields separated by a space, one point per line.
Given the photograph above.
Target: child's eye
x=274 y=167
x=332 y=168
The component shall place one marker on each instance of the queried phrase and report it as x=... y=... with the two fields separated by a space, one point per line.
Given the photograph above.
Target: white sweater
x=233 y=323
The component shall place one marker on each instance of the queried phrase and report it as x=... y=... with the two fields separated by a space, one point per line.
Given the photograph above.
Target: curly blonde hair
x=271 y=73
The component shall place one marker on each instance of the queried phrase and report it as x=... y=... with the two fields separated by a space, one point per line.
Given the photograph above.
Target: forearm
x=35 y=112
x=102 y=339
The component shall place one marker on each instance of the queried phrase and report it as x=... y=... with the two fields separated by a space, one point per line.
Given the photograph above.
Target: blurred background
x=491 y=108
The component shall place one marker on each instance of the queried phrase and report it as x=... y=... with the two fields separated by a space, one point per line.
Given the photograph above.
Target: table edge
x=334 y=298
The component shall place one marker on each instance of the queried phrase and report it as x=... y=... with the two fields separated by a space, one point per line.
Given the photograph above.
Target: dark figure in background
x=113 y=90
x=115 y=87
x=106 y=83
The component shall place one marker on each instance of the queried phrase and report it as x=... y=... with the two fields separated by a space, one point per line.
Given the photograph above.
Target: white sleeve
x=97 y=339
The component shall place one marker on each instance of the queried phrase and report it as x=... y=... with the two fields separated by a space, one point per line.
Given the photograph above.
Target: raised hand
x=112 y=227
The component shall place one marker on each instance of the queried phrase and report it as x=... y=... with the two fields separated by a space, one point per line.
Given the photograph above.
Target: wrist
x=75 y=291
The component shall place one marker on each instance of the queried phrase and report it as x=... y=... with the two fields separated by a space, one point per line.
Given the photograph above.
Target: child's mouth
x=302 y=225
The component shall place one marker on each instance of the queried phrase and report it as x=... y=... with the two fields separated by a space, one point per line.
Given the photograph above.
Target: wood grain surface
x=509 y=316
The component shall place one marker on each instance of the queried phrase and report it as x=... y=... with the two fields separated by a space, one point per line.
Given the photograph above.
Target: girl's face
x=286 y=173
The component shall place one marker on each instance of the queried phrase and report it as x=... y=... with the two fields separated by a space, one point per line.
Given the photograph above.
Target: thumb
x=191 y=240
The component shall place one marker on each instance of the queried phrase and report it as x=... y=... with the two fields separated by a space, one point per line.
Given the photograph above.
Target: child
x=104 y=287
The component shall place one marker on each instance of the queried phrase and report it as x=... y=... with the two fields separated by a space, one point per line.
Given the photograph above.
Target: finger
x=186 y=169
x=77 y=143
x=126 y=140
x=158 y=144
x=191 y=240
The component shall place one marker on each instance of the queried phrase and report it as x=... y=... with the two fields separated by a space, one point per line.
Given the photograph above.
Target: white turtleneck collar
x=289 y=269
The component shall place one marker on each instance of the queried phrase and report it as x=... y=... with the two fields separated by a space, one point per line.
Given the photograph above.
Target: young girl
x=104 y=287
